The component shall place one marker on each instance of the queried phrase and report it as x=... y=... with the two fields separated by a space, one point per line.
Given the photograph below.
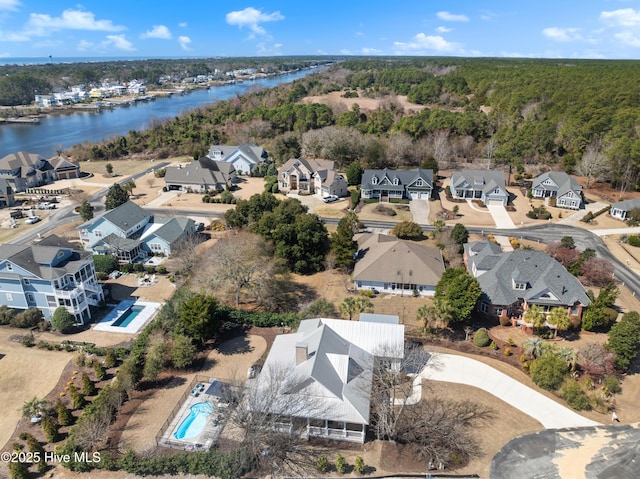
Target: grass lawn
x=402 y=213
x=124 y=167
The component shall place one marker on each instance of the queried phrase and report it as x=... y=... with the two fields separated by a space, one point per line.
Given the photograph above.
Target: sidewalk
x=463 y=370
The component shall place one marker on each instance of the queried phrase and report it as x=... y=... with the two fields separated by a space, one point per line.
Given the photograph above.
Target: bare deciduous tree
x=243 y=267
x=271 y=421
x=185 y=253
x=441 y=148
x=594 y=164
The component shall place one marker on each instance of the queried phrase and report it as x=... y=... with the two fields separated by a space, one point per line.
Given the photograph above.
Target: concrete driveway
x=501 y=217
x=310 y=201
x=463 y=370
x=420 y=211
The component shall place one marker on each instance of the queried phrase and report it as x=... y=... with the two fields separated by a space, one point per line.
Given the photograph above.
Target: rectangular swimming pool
x=129 y=315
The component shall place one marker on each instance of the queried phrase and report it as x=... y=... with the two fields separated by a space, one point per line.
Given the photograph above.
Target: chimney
x=302 y=352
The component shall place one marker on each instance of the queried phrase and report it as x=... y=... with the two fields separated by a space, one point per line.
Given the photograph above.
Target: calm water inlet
x=64 y=131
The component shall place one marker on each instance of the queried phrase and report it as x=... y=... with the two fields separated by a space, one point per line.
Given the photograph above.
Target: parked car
x=46 y=206
x=31 y=220
x=330 y=199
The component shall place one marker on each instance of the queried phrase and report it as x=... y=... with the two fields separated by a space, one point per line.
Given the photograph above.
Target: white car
x=330 y=199
x=31 y=220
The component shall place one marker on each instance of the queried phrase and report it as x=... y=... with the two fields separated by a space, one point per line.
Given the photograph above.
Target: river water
x=63 y=131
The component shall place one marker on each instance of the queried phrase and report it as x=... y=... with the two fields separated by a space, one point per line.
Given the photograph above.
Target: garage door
x=495 y=202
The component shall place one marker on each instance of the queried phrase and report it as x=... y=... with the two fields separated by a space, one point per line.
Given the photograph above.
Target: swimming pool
x=128 y=316
x=194 y=423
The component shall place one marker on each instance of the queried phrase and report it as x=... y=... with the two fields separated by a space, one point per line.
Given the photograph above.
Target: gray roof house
x=393 y=266
x=620 y=209
x=311 y=176
x=200 y=175
x=559 y=185
x=6 y=193
x=244 y=158
x=131 y=233
x=47 y=275
x=26 y=170
x=323 y=375
x=411 y=184
x=511 y=281
x=486 y=185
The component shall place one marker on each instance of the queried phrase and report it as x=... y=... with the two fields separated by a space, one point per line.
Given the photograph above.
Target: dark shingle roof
x=563 y=182
x=542 y=274
x=483 y=180
x=405 y=177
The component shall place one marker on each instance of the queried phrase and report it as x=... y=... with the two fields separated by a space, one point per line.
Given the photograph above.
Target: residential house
x=6 y=193
x=305 y=176
x=24 y=170
x=200 y=175
x=130 y=233
x=485 y=185
x=621 y=209
x=244 y=158
x=389 y=265
x=64 y=168
x=323 y=375
x=411 y=184
x=559 y=185
x=512 y=281
x=47 y=275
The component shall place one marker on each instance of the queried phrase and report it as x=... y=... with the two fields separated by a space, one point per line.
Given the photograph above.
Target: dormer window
x=520 y=286
x=374 y=181
x=395 y=181
x=419 y=182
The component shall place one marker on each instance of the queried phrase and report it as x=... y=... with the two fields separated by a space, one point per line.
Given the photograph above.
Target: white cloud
x=158 y=31
x=346 y=51
x=628 y=38
x=371 y=51
x=443 y=29
x=9 y=5
x=182 y=24
x=626 y=17
x=184 y=42
x=452 y=17
x=84 y=45
x=252 y=18
x=5 y=55
x=120 y=42
x=562 y=34
x=13 y=37
x=43 y=24
x=422 y=42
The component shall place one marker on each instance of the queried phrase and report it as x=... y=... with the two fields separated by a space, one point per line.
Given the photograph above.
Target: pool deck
x=211 y=431
x=136 y=324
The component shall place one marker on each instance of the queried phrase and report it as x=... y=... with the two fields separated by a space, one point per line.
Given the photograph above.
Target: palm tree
x=535 y=316
x=129 y=186
x=533 y=347
x=428 y=315
x=445 y=313
x=559 y=319
x=569 y=355
x=34 y=408
x=363 y=305
x=348 y=307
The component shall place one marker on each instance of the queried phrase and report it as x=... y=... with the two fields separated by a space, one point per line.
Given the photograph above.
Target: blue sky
x=143 y=28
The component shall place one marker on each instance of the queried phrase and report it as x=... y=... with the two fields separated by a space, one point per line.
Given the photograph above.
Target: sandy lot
x=338 y=103
x=25 y=373
x=230 y=360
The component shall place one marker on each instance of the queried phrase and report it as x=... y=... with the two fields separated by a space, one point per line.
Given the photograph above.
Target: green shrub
x=493 y=345
x=322 y=464
x=612 y=384
x=634 y=240
x=138 y=267
x=548 y=371
x=126 y=268
x=162 y=269
x=104 y=263
x=575 y=396
x=359 y=466
x=110 y=358
x=98 y=368
x=341 y=464
x=150 y=269
x=50 y=429
x=481 y=338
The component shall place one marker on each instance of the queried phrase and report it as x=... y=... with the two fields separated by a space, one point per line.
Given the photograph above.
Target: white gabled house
x=559 y=185
x=328 y=365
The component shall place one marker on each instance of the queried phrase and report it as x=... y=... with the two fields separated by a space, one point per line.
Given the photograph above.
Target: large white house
x=324 y=373
x=47 y=275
